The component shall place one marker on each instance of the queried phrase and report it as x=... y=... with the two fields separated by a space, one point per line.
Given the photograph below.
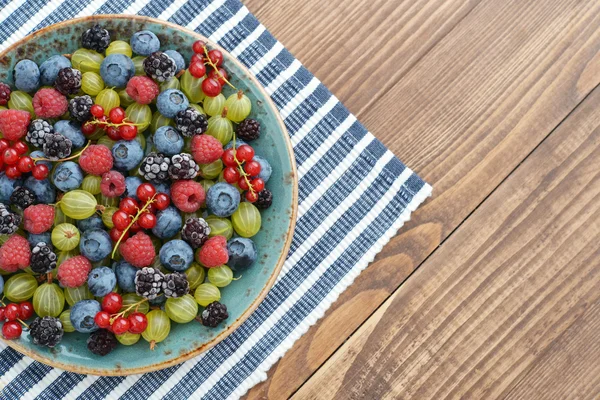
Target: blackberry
x=101 y=342
x=9 y=221
x=155 y=167
x=80 y=107
x=214 y=314
x=57 y=147
x=248 y=129
x=43 y=259
x=47 y=331
x=190 y=122
x=96 y=38
x=68 y=81
x=182 y=167
x=23 y=197
x=160 y=66
x=176 y=285
x=36 y=134
x=265 y=199
x=149 y=282
x=4 y=94
x=195 y=232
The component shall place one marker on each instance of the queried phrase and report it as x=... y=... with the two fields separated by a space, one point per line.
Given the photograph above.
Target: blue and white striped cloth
x=354 y=195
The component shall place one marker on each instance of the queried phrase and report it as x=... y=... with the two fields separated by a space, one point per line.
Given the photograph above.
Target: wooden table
x=492 y=290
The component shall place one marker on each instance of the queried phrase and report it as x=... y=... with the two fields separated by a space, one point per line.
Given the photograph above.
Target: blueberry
x=127 y=154
x=125 y=273
x=168 y=141
x=49 y=69
x=101 y=281
x=149 y=146
x=116 y=70
x=171 y=101
x=131 y=185
x=93 y=222
x=40 y=154
x=95 y=244
x=72 y=131
x=144 y=43
x=1 y=284
x=82 y=315
x=222 y=199
x=27 y=76
x=34 y=239
x=7 y=186
x=265 y=168
x=168 y=223
x=67 y=176
x=242 y=253
x=238 y=143
x=44 y=190
x=162 y=187
x=177 y=57
x=176 y=255
x=158 y=300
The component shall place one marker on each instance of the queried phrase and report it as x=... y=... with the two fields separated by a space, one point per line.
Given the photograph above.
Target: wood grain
x=464 y=116
x=505 y=296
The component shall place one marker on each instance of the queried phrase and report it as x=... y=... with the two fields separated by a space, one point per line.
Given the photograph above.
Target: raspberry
x=38 y=219
x=214 y=252
x=49 y=103
x=113 y=184
x=188 y=196
x=74 y=272
x=142 y=89
x=15 y=254
x=138 y=250
x=206 y=149
x=14 y=123
x=96 y=160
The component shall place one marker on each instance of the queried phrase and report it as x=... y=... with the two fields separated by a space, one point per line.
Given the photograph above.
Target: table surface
x=492 y=289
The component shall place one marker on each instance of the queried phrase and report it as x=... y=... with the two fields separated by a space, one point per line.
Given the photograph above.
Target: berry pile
x=129 y=192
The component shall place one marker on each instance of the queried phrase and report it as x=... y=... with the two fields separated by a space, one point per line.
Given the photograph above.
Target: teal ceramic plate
x=273 y=241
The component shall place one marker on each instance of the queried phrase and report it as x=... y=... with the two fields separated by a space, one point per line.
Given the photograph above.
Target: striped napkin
x=354 y=195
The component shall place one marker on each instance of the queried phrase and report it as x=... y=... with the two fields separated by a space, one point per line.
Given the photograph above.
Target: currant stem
x=133 y=221
x=240 y=168
x=125 y=122
x=212 y=64
x=125 y=311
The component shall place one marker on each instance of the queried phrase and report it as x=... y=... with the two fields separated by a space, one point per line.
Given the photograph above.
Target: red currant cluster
x=116 y=320
x=241 y=168
x=12 y=313
x=133 y=216
x=116 y=126
x=14 y=162
x=217 y=76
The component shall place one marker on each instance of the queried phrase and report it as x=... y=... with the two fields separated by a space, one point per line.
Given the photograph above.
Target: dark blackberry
x=9 y=221
x=68 y=81
x=36 y=134
x=101 y=342
x=4 y=94
x=195 y=232
x=57 y=147
x=80 y=107
x=96 y=38
x=183 y=166
x=23 y=197
x=214 y=314
x=176 y=285
x=47 y=331
x=155 y=167
x=160 y=66
x=190 y=122
x=265 y=199
x=149 y=282
x=43 y=259
x=248 y=129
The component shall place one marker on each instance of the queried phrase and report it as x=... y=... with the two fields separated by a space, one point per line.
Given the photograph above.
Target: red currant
x=102 y=123
x=121 y=220
x=147 y=220
x=11 y=330
x=12 y=312
x=252 y=168
x=162 y=201
x=244 y=153
x=88 y=129
x=211 y=87
x=135 y=228
x=10 y=156
x=112 y=303
x=97 y=111
x=12 y=172
x=197 y=59
x=152 y=208
x=40 y=171
x=25 y=164
x=128 y=132
x=197 y=69
x=257 y=184
x=145 y=192
x=216 y=57
x=129 y=205
x=138 y=323
x=116 y=115
x=231 y=175
x=221 y=76
x=25 y=310
x=228 y=158
x=120 y=326
x=4 y=144
x=20 y=147
x=102 y=319
x=116 y=234
x=243 y=184
x=198 y=46
x=251 y=196
x=2 y=313
x=113 y=133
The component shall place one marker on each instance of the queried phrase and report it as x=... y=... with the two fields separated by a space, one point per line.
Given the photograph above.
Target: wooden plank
x=498 y=299
x=464 y=117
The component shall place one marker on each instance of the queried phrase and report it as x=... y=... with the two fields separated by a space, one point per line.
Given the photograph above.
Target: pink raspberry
x=49 y=103
x=142 y=89
x=74 y=272
x=214 y=252
x=206 y=149
x=188 y=196
x=14 y=123
x=15 y=254
x=38 y=219
x=96 y=160
x=113 y=184
x=138 y=250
